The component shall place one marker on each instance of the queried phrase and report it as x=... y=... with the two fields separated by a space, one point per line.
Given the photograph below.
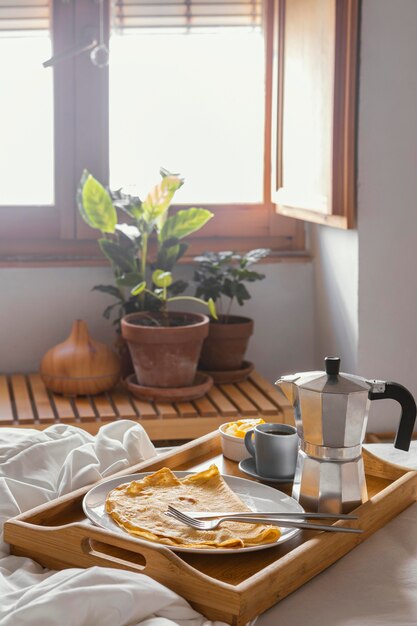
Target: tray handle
x=85 y=545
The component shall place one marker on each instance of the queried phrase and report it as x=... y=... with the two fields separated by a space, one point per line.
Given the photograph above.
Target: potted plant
x=222 y=276
x=164 y=345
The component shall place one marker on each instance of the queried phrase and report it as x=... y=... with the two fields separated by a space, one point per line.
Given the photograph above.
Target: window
x=26 y=122
x=189 y=86
x=200 y=127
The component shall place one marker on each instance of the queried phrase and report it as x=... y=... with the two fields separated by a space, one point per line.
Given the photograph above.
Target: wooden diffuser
x=80 y=366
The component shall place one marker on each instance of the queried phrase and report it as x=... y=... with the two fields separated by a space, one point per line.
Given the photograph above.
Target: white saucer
x=248 y=466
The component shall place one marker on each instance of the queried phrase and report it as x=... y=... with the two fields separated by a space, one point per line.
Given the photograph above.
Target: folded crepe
x=139 y=508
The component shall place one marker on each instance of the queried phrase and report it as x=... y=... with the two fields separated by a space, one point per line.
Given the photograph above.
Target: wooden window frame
x=56 y=235
x=341 y=194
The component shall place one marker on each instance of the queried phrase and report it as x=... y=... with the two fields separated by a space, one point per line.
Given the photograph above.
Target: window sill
x=87 y=253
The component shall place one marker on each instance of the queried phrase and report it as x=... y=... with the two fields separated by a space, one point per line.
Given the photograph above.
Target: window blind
x=21 y=15
x=188 y=14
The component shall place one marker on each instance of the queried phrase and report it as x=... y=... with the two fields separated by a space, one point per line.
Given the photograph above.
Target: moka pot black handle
x=395 y=391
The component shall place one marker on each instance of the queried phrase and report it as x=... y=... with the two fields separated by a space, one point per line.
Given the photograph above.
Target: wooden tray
x=232 y=588
x=385 y=437
x=26 y=403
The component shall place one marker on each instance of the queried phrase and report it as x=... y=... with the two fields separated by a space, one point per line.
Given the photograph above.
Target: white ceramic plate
x=257 y=496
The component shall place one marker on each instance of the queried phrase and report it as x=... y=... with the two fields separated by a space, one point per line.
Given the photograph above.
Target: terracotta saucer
x=230 y=376
x=202 y=384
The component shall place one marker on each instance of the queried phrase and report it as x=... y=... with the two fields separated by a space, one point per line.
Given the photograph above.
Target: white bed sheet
x=37 y=466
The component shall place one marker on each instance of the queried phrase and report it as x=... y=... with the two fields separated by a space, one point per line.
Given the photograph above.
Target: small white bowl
x=233 y=448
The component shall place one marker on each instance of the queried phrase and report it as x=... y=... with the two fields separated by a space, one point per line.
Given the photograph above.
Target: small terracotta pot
x=226 y=344
x=165 y=356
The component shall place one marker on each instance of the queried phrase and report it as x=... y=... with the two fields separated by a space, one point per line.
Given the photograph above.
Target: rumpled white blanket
x=37 y=466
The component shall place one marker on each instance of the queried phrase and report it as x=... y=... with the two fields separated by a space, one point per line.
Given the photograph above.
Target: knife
x=301 y=514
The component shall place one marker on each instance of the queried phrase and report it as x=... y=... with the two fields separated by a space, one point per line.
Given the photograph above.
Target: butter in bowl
x=233 y=438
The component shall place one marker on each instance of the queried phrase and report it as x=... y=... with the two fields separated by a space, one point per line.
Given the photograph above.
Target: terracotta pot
x=126 y=364
x=165 y=356
x=226 y=344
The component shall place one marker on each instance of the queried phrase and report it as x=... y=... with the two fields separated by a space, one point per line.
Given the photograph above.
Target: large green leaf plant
x=143 y=249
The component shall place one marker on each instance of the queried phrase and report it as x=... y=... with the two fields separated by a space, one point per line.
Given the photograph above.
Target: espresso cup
x=274 y=448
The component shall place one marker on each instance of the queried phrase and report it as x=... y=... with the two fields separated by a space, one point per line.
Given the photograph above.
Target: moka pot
x=331 y=412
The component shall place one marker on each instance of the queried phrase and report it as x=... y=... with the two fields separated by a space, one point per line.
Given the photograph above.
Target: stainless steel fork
x=252 y=519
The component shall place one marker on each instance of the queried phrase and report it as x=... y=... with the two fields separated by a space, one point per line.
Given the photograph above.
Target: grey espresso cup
x=274 y=448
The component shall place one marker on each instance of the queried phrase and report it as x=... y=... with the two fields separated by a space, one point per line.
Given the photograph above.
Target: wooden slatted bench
x=25 y=402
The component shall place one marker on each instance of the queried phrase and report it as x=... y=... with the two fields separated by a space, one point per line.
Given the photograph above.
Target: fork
x=212 y=524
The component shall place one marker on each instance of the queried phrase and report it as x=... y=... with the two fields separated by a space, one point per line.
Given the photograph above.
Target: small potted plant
x=165 y=346
x=222 y=276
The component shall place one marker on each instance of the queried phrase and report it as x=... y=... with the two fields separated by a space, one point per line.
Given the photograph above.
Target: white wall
x=38 y=306
x=336 y=295
x=388 y=198
x=366 y=286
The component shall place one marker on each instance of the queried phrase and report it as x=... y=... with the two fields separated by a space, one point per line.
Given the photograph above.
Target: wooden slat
x=84 y=409
x=166 y=409
x=63 y=408
x=103 y=407
x=244 y=405
x=226 y=408
x=6 y=409
x=145 y=409
x=186 y=409
x=275 y=396
x=41 y=399
x=264 y=405
x=22 y=399
x=158 y=429
x=267 y=388
x=32 y=402
x=205 y=407
x=122 y=404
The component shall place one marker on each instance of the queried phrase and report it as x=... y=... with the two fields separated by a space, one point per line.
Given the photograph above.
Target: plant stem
x=151 y=293
x=143 y=261
x=165 y=306
x=228 y=310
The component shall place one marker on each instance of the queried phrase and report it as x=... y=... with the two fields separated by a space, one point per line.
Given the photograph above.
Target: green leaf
x=132 y=205
x=158 y=200
x=107 y=311
x=229 y=288
x=121 y=258
x=168 y=256
x=129 y=280
x=177 y=287
x=250 y=276
x=110 y=289
x=164 y=172
x=161 y=278
x=95 y=205
x=212 y=308
x=129 y=231
x=184 y=223
x=242 y=294
x=138 y=289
